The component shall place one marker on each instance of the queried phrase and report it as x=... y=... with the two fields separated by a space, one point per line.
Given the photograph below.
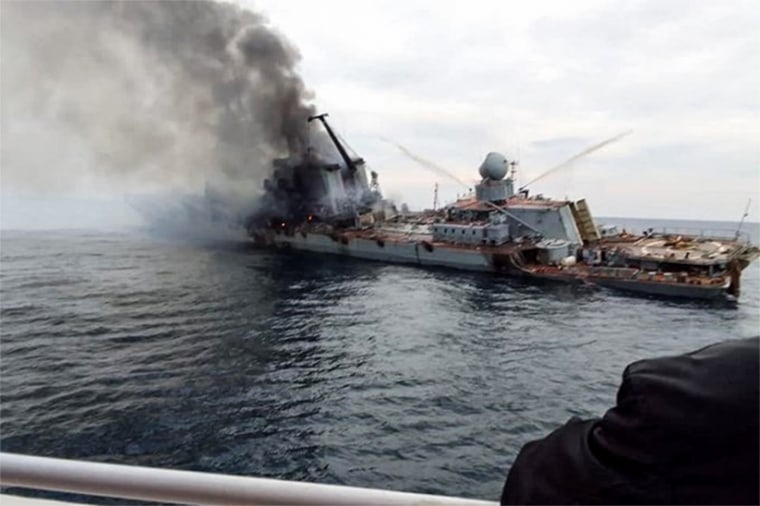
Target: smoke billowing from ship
x=146 y=94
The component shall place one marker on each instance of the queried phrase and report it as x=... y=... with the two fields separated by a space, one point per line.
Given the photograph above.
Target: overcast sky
x=542 y=80
x=539 y=81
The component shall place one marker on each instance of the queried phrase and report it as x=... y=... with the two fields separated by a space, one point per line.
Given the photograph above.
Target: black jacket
x=684 y=431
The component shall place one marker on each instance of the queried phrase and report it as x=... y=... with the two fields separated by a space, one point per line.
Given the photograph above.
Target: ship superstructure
x=333 y=208
x=308 y=188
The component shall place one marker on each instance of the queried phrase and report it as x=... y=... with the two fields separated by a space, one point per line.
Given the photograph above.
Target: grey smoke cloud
x=146 y=93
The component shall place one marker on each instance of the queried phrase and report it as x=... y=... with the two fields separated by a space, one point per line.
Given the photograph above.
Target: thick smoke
x=146 y=95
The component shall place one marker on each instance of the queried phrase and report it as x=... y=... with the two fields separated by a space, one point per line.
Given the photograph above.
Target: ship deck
x=514 y=202
x=682 y=250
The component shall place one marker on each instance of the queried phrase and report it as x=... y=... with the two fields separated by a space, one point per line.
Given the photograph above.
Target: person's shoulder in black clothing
x=684 y=431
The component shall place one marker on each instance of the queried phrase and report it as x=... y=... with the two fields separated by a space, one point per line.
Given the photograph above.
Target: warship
x=315 y=205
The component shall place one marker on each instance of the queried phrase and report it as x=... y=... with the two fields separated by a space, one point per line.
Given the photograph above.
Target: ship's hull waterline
x=711 y=292
x=424 y=253
x=384 y=250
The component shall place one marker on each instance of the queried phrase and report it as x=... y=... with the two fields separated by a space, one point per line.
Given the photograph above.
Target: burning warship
x=313 y=205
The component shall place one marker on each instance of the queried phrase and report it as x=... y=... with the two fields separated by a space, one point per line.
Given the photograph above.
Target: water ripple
x=119 y=348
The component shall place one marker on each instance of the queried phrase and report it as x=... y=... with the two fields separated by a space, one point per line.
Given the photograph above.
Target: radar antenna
x=441 y=171
x=583 y=153
x=427 y=163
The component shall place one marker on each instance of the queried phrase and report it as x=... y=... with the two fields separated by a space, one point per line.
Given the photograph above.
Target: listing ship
x=314 y=205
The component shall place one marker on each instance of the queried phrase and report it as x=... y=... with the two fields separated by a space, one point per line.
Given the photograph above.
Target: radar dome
x=495 y=166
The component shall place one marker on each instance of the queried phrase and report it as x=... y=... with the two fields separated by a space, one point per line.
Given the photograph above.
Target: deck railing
x=190 y=487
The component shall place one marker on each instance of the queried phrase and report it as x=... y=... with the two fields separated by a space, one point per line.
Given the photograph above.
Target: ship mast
x=343 y=153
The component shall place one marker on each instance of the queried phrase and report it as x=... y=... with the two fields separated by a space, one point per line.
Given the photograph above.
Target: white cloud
x=539 y=81
x=453 y=80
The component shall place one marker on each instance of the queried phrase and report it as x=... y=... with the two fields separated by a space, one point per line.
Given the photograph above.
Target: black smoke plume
x=146 y=94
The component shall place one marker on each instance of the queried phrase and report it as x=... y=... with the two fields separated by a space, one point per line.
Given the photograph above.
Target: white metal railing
x=189 y=487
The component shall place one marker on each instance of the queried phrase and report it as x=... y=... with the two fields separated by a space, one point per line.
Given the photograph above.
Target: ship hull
x=712 y=292
x=643 y=287
x=472 y=259
x=411 y=252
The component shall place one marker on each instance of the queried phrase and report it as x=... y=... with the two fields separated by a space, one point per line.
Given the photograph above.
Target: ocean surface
x=126 y=348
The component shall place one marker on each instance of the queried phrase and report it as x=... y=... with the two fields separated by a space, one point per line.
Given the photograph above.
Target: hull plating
x=411 y=252
x=426 y=254
x=713 y=292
